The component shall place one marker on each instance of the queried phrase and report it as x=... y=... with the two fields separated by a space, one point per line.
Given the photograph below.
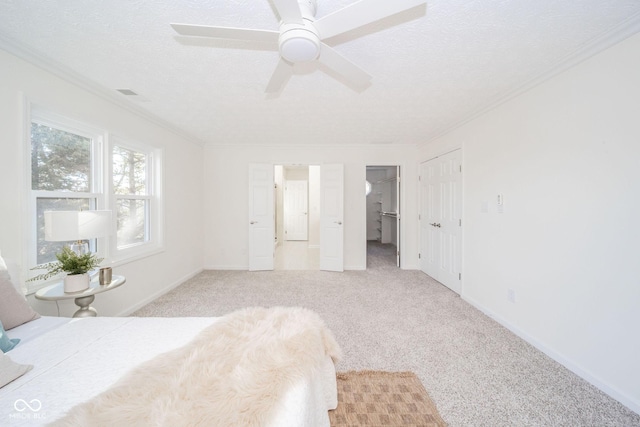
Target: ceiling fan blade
x=341 y=65
x=361 y=13
x=280 y=77
x=289 y=11
x=226 y=33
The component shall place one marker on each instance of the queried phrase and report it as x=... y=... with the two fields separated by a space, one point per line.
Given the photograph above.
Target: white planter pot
x=76 y=282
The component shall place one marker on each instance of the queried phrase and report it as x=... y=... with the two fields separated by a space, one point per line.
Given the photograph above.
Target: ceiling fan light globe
x=299 y=45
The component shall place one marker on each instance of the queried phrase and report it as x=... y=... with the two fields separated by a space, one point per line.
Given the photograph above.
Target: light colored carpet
x=477 y=372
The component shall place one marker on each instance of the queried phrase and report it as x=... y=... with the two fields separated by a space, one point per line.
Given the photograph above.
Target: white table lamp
x=64 y=226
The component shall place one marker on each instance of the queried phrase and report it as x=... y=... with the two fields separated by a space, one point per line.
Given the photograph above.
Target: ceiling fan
x=300 y=37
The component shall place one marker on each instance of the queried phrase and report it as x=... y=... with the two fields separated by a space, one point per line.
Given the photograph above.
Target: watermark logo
x=22 y=405
x=27 y=410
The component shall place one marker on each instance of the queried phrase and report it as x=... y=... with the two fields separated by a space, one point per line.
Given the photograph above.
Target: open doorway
x=383 y=216
x=297 y=217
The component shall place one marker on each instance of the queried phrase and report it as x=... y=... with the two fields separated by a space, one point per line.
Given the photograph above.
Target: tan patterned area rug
x=377 y=398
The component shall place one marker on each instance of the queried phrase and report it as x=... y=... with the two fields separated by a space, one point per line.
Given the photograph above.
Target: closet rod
x=393 y=178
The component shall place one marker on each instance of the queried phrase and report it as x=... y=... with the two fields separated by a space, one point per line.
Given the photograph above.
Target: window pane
x=60 y=161
x=46 y=251
x=129 y=172
x=132 y=222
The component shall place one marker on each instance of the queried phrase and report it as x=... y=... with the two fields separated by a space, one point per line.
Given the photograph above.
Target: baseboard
x=226 y=267
x=246 y=267
x=409 y=266
x=158 y=294
x=612 y=391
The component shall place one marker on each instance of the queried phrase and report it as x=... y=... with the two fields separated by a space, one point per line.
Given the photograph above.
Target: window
x=132 y=195
x=135 y=199
x=65 y=171
x=68 y=161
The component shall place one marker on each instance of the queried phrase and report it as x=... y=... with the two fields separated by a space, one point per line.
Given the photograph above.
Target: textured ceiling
x=433 y=68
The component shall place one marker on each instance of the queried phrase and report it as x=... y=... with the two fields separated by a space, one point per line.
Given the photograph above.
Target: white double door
x=441 y=219
x=262 y=217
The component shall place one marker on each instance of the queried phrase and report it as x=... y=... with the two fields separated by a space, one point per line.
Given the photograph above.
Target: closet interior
x=383 y=216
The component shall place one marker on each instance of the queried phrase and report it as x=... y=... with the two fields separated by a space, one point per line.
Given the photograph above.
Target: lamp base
x=80 y=247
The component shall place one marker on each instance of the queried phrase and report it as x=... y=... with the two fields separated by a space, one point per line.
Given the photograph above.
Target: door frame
x=274 y=206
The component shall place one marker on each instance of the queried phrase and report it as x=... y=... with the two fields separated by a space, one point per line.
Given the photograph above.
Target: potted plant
x=76 y=266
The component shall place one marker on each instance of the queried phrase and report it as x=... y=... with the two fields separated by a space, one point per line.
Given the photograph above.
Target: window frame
x=154 y=216
x=101 y=191
x=95 y=195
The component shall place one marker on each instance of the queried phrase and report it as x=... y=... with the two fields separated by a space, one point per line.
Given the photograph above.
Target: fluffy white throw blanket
x=232 y=374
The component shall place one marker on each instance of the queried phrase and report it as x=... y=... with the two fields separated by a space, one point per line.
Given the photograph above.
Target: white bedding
x=37 y=327
x=78 y=359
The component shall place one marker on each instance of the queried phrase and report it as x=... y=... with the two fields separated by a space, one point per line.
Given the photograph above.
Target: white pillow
x=14 y=308
x=9 y=270
x=4 y=272
x=10 y=370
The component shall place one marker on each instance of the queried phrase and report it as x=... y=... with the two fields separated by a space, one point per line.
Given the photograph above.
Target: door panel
x=296 y=210
x=332 y=217
x=261 y=217
x=440 y=219
x=429 y=236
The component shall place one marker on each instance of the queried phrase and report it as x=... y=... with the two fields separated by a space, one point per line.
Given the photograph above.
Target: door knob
x=338 y=222
x=253 y=222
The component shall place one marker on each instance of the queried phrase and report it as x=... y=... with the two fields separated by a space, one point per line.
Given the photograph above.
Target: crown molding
x=610 y=38
x=34 y=58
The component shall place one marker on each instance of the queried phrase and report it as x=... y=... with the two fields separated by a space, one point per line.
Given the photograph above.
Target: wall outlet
x=511 y=295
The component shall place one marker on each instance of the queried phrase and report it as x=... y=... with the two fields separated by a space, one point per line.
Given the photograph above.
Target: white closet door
x=429 y=209
x=441 y=219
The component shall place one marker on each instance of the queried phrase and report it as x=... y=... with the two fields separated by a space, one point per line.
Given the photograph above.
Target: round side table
x=83 y=299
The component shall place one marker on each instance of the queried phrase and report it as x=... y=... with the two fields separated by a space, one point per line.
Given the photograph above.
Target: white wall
x=566 y=156
x=226 y=205
x=183 y=168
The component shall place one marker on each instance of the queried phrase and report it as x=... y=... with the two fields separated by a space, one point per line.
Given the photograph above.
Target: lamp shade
x=62 y=226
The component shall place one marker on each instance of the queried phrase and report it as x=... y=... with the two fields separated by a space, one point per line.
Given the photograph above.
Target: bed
x=76 y=362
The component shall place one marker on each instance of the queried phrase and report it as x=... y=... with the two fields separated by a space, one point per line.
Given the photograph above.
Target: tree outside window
x=130 y=187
